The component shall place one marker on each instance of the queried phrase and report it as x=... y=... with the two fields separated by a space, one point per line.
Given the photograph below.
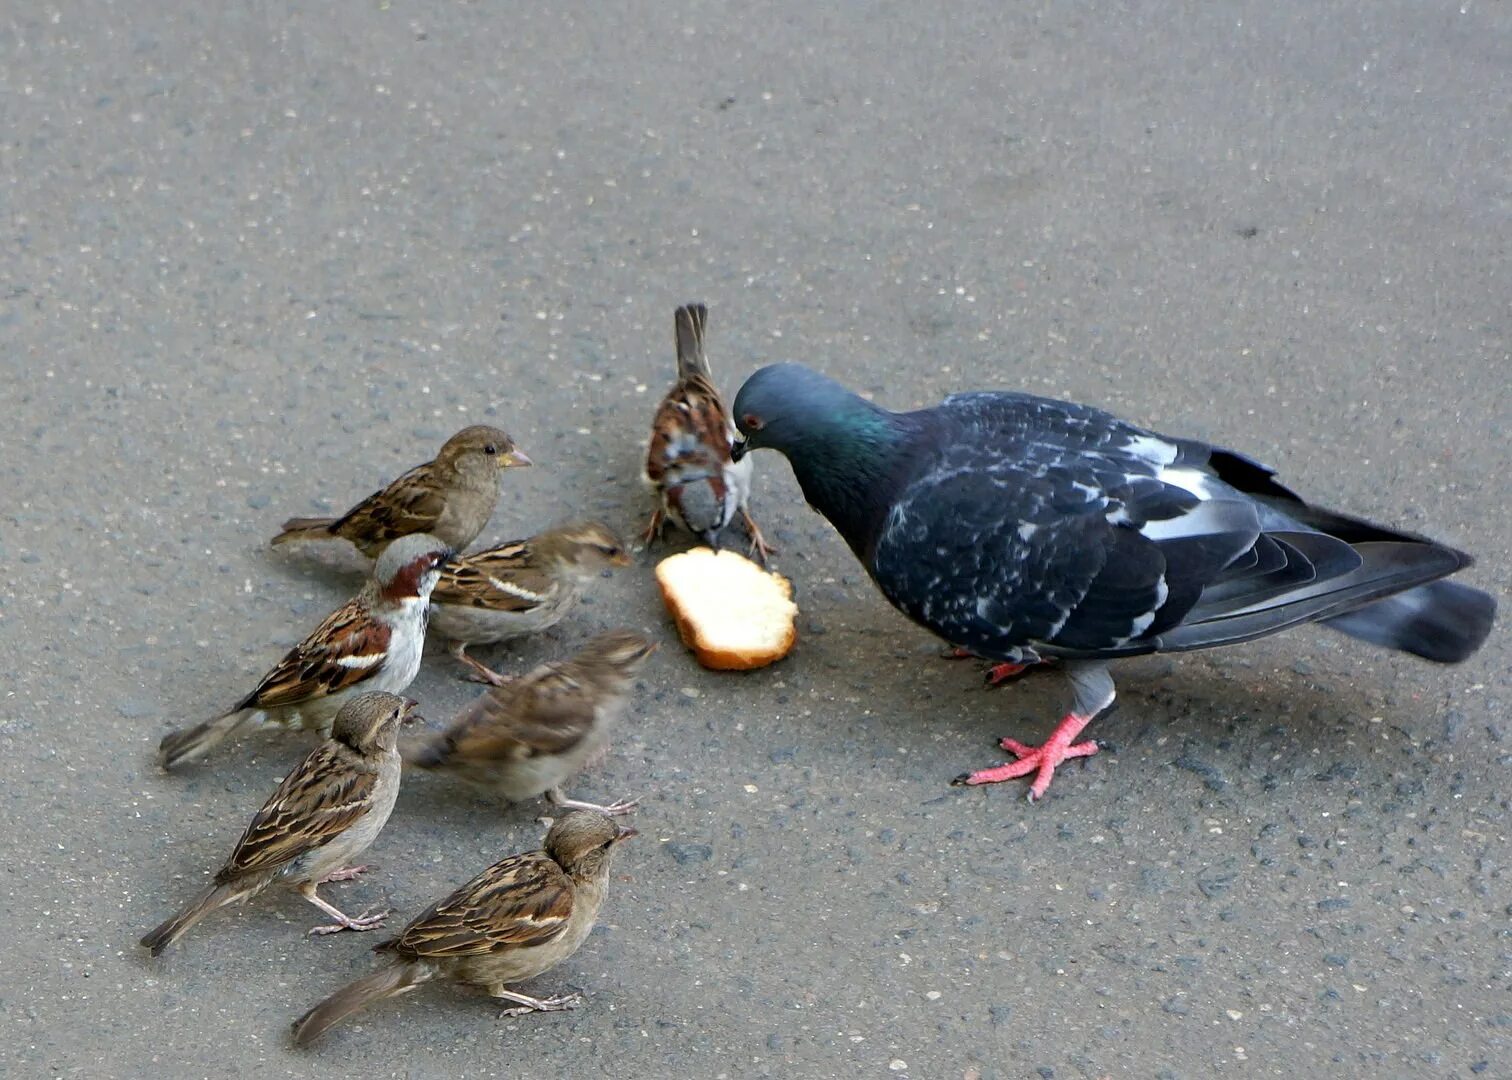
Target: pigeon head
x=847 y=453
x=794 y=409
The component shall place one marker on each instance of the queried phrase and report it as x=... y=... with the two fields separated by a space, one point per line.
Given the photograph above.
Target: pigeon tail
x=1442 y=621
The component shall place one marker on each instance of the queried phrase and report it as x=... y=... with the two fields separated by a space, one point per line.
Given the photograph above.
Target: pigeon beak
x=739 y=449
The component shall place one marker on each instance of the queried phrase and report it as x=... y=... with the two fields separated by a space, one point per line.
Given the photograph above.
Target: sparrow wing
x=522 y=901
x=504 y=578
x=345 y=649
x=547 y=711
x=412 y=503
x=318 y=801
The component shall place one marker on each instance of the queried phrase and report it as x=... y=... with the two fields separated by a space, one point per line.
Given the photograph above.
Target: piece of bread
x=734 y=615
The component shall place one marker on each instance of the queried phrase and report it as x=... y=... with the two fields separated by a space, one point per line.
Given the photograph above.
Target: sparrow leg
x=615 y=809
x=528 y=1004
x=480 y=672
x=654 y=530
x=365 y=921
x=759 y=547
x=346 y=873
x=1094 y=693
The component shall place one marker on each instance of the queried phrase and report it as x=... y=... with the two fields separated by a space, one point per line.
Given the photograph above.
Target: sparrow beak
x=514 y=458
x=625 y=833
x=622 y=559
x=711 y=537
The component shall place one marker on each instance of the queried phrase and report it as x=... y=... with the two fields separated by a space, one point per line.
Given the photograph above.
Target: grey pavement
x=259 y=258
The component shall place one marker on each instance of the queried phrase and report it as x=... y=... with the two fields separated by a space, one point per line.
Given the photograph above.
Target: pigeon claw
x=1039 y=760
x=998 y=674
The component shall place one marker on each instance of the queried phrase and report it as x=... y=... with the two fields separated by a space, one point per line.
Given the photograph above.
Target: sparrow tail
x=213 y=898
x=691 y=361
x=386 y=982
x=178 y=747
x=305 y=529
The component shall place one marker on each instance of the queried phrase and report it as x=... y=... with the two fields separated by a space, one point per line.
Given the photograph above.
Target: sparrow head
x=409 y=567
x=371 y=722
x=584 y=546
x=623 y=651
x=582 y=840
x=481 y=445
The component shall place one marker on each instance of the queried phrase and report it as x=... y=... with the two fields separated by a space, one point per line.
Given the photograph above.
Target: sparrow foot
x=368 y=920
x=614 y=809
x=347 y=873
x=1040 y=760
x=478 y=672
x=528 y=1004
x=760 y=549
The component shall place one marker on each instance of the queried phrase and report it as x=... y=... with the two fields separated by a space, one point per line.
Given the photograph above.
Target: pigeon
x=1025 y=530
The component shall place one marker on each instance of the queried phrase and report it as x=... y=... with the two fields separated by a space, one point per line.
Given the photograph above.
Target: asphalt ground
x=259 y=258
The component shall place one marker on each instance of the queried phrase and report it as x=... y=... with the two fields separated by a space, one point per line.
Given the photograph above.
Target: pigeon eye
x=751 y=422
x=490 y=449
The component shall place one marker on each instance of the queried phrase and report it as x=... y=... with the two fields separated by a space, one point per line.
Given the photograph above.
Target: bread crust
x=697 y=637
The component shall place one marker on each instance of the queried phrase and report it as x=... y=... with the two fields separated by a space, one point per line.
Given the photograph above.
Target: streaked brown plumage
x=516 y=920
x=451 y=497
x=328 y=810
x=530 y=735
x=372 y=642
x=519 y=588
x=688 y=459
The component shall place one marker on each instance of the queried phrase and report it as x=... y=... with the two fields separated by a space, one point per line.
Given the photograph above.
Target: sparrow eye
x=490 y=449
x=611 y=551
x=751 y=422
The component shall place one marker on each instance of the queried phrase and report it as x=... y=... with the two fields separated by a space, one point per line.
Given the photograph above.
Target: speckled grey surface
x=258 y=261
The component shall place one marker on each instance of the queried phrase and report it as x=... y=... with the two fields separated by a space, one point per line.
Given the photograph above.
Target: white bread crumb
x=734 y=615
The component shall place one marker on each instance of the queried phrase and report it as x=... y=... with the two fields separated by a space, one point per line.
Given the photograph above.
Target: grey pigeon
x=1023 y=529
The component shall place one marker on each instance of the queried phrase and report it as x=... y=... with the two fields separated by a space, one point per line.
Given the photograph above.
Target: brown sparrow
x=529 y=735
x=688 y=458
x=515 y=920
x=451 y=498
x=327 y=811
x=372 y=642
x=521 y=587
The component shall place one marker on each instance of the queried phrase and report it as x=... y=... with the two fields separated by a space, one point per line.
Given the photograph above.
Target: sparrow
x=1024 y=529
x=528 y=736
x=519 y=918
x=327 y=811
x=519 y=588
x=688 y=459
x=372 y=642
x=451 y=498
